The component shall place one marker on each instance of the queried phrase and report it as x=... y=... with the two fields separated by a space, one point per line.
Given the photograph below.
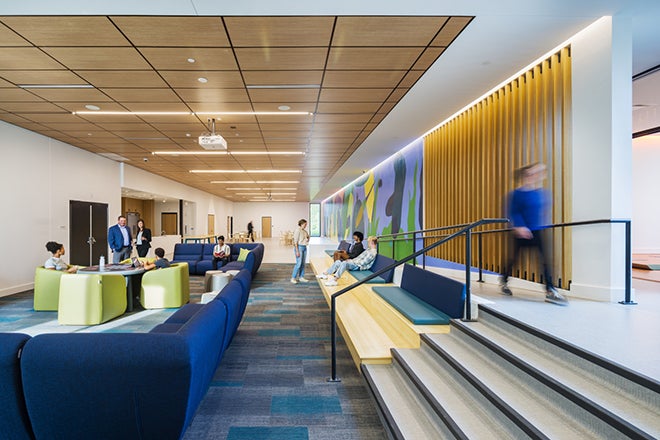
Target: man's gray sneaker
x=554 y=297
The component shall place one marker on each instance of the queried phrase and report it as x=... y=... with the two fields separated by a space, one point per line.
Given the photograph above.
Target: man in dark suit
x=119 y=240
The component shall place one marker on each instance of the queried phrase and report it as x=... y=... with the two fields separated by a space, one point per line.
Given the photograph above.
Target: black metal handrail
x=465 y=229
x=628 y=246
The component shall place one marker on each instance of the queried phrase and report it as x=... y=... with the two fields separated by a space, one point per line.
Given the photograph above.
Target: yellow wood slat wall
x=469 y=164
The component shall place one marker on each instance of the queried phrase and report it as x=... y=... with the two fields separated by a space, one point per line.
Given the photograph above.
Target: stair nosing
x=583 y=402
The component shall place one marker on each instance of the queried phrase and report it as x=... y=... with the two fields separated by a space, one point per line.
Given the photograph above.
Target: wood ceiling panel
x=453 y=27
x=372 y=58
x=281 y=58
x=354 y=95
x=6 y=84
x=18 y=94
x=133 y=78
x=30 y=107
x=185 y=79
x=173 y=31
x=279 y=31
x=213 y=95
x=114 y=126
x=397 y=94
x=348 y=107
x=284 y=95
x=179 y=128
x=363 y=78
x=386 y=31
x=10 y=38
x=98 y=58
x=158 y=107
x=428 y=57
x=67 y=31
x=281 y=134
x=348 y=117
x=41 y=76
x=77 y=125
x=71 y=95
x=26 y=58
x=287 y=119
x=282 y=78
x=90 y=135
x=142 y=95
x=54 y=117
x=411 y=78
x=287 y=126
x=176 y=58
x=80 y=106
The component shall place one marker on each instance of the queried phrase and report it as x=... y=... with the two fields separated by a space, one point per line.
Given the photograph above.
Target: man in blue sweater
x=527 y=208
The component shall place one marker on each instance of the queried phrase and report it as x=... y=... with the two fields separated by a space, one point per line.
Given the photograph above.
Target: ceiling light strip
x=252 y=182
x=141 y=113
x=224 y=153
x=55 y=86
x=247 y=171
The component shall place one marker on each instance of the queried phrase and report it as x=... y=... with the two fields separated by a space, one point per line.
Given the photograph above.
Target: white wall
x=646 y=206
x=38 y=177
x=285 y=215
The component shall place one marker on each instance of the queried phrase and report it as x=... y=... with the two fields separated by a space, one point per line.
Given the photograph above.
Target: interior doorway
x=168 y=221
x=230 y=226
x=211 y=224
x=88 y=232
x=267 y=227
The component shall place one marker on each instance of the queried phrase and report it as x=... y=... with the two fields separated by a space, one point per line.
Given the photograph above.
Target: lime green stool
x=89 y=299
x=46 y=289
x=165 y=288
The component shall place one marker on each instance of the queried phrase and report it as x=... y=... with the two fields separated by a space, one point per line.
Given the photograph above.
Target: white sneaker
x=331 y=282
x=322 y=276
x=294 y=281
x=303 y=280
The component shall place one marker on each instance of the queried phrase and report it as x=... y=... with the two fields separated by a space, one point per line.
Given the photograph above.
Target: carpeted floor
x=272 y=381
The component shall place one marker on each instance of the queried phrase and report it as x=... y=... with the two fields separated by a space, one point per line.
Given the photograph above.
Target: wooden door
x=266 y=227
x=211 y=224
x=168 y=221
x=88 y=232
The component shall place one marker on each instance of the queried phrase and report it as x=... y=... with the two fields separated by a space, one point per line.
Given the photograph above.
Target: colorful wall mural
x=385 y=200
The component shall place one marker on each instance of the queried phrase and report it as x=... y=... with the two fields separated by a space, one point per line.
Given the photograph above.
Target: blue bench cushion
x=14 y=420
x=362 y=274
x=414 y=309
x=381 y=262
x=184 y=314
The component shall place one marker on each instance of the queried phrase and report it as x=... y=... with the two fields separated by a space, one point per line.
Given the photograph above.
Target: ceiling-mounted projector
x=212 y=141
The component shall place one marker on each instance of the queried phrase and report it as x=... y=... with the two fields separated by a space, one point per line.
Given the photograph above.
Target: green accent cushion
x=242 y=255
x=417 y=311
x=362 y=274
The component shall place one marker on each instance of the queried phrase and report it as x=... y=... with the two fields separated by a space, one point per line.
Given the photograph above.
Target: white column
x=602 y=156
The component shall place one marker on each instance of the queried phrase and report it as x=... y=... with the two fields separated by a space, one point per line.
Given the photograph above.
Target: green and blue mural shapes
x=385 y=200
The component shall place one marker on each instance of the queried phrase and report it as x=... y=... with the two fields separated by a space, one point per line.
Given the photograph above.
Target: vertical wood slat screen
x=469 y=164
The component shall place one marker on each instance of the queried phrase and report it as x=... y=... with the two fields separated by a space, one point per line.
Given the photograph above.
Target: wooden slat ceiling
x=347 y=72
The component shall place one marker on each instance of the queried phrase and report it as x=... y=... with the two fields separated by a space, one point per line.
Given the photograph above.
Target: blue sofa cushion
x=184 y=313
x=190 y=253
x=417 y=311
x=382 y=262
x=232 y=296
x=14 y=421
x=362 y=274
x=167 y=327
x=445 y=294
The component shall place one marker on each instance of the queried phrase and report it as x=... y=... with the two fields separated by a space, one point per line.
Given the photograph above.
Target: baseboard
x=599 y=293
x=16 y=289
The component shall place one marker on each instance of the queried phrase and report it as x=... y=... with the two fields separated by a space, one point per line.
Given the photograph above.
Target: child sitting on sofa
x=364 y=261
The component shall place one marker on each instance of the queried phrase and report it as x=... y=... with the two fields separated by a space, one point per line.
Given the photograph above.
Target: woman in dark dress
x=143 y=239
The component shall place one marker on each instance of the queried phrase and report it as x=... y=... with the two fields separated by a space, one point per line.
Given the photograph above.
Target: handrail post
x=414 y=247
x=468 y=269
x=628 y=300
x=481 y=259
x=333 y=338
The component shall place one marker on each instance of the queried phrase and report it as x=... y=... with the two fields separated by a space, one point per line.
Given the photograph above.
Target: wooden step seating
x=371 y=327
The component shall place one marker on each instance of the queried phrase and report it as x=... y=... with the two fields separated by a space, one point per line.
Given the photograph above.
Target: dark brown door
x=88 y=232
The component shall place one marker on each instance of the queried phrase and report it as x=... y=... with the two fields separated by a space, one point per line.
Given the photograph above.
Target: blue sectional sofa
x=117 y=385
x=200 y=257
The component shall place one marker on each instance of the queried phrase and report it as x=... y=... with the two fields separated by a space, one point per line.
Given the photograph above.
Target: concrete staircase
x=500 y=378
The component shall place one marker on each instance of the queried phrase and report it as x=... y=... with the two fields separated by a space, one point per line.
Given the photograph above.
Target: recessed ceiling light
x=92 y=107
x=283 y=86
x=202 y=80
x=284 y=108
x=191 y=60
x=187 y=134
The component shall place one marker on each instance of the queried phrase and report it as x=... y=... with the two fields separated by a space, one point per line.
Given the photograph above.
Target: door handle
x=91 y=240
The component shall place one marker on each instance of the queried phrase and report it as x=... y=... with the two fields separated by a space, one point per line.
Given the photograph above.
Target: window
x=315 y=219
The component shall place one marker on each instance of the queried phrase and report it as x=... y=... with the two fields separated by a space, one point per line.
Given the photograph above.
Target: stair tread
x=518 y=395
x=574 y=378
x=477 y=417
x=414 y=420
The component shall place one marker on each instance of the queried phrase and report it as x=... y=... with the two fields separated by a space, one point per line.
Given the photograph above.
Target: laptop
x=135 y=262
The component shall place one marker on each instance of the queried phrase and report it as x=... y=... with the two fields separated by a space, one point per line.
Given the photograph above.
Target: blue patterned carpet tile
x=305 y=405
x=268 y=433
